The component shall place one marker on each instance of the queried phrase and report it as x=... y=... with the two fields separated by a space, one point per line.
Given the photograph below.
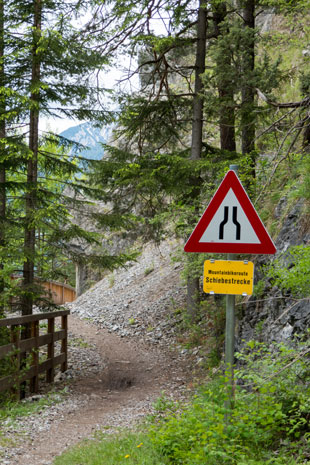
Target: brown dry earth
x=118 y=393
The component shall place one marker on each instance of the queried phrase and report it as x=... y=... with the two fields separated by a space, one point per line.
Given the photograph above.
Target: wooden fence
x=23 y=355
x=60 y=293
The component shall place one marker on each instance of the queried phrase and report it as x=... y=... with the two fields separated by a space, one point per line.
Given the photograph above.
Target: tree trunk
x=225 y=89
x=199 y=70
x=306 y=137
x=248 y=92
x=2 y=212
x=32 y=170
x=197 y=125
x=2 y=149
x=81 y=273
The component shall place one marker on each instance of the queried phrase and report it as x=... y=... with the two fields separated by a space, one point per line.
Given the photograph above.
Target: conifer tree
x=32 y=164
x=48 y=71
x=193 y=287
x=2 y=152
x=248 y=90
x=224 y=85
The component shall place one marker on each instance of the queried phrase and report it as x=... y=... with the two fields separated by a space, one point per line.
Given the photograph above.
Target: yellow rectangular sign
x=228 y=277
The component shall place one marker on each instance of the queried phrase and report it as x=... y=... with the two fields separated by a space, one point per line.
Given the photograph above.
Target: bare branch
x=302 y=104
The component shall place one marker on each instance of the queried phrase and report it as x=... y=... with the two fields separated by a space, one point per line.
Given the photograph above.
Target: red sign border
x=230 y=181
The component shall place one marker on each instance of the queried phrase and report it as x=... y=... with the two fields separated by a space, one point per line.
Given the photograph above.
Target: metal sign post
x=230 y=225
x=230 y=344
x=230 y=335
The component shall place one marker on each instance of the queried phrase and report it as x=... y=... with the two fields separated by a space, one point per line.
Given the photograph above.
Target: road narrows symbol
x=230 y=223
x=235 y=222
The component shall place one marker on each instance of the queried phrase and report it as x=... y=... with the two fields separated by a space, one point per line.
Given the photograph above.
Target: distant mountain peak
x=90 y=137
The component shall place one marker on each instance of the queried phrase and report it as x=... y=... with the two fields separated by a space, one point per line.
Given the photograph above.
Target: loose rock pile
x=140 y=300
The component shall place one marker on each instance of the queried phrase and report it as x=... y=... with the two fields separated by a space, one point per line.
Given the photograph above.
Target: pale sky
x=109 y=80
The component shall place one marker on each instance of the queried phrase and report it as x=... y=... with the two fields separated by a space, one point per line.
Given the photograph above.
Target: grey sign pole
x=230 y=334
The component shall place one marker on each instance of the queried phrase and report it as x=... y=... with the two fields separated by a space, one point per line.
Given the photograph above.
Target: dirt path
x=118 y=393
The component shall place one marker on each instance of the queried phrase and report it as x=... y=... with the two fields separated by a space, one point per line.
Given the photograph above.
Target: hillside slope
x=139 y=300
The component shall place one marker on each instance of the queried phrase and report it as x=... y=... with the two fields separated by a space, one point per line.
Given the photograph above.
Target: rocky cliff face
x=275 y=316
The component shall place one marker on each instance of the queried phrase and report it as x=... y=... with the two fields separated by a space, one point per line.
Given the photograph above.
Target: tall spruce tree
x=32 y=164
x=193 y=287
x=248 y=90
x=2 y=153
x=225 y=87
x=48 y=67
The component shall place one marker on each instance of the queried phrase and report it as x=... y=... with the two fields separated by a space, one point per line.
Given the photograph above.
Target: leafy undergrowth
x=268 y=425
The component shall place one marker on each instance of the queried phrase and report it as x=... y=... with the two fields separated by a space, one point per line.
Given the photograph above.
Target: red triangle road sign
x=230 y=224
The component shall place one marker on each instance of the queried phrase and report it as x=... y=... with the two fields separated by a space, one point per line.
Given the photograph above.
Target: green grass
x=269 y=424
x=78 y=342
x=5 y=443
x=129 y=449
x=11 y=409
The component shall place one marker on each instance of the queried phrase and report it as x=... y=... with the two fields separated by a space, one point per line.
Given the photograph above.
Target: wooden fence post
x=64 y=342
x=22 y=350
x=50 y=373
x=15 y=338
x=34 y=382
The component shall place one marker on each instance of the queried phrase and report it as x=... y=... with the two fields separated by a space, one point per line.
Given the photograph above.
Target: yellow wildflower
x=127 y=456
x=139 y=445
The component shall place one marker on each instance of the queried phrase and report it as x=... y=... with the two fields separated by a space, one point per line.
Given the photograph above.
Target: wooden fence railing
x=60 y=292
x=25 y=359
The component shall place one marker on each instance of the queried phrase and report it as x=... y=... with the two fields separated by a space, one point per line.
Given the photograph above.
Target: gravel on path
x=122 y=356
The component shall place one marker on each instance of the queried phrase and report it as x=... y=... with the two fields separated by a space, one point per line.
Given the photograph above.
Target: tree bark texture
x=2 y=148
x=32 y=169
x=248 y=91
x=197 y=123
x=306 y=136
x=225 y=90
x=197 y=126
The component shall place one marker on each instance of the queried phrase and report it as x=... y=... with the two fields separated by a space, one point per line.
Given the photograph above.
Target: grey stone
x=276 y=316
